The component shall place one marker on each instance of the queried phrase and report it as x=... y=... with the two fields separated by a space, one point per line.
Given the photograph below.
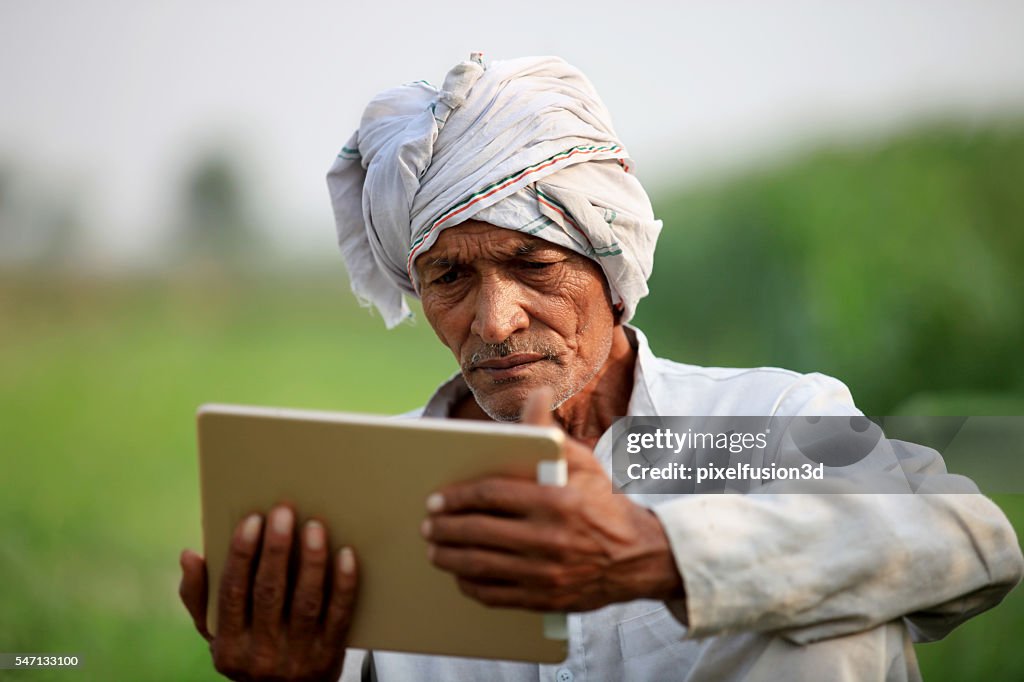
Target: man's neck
x=588 y=414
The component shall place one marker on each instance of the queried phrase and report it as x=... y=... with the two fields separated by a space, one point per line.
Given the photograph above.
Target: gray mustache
x=511 y=346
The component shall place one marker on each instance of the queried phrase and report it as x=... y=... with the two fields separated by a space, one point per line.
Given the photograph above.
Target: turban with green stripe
x=524 y=144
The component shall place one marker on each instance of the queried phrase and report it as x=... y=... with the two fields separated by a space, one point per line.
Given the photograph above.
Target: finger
x=480 y=530
x=271 y=585
x=514 y=497
x=233 y=598
x=538 y=412
x=579 y=457
x=193 y=589
x=343 y=594
x=490 y=566
x=517 y=596
x=308 y=600
x=537 y=409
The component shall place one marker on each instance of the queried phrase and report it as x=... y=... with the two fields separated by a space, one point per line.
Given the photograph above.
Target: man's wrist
x=655 y=575
x=671 y=587
x=672 y=590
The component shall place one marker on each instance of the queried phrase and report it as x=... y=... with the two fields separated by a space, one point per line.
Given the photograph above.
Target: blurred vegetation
x=218 y=227
x=38 y=227
x=898 y=267
x=101 y=380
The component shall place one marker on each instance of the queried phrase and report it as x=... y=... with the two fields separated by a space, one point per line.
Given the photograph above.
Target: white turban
x=505 y=144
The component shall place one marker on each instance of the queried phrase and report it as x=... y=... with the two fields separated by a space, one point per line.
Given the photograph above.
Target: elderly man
x=506 y=203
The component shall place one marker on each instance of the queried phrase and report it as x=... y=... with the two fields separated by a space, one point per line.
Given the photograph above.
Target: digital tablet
x=367 y=478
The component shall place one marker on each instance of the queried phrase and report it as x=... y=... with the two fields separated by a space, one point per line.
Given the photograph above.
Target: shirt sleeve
x=815 y=566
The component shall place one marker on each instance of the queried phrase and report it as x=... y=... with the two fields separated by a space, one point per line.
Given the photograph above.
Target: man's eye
x=536 y=265
x=447 y=278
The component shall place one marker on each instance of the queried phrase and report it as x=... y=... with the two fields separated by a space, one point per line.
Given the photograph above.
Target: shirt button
x=564 y=675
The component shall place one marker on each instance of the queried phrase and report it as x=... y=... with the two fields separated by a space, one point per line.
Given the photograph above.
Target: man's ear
x=617 y=311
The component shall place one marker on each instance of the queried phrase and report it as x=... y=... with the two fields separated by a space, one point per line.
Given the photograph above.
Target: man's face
x=517 y=311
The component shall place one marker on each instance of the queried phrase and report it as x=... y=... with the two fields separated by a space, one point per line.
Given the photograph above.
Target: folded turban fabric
x=524 y=144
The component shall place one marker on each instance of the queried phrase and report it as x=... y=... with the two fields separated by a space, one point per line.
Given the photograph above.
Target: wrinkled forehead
x=478 y=241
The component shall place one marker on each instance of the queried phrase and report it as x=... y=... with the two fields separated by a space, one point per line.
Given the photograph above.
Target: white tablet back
x=368 y=478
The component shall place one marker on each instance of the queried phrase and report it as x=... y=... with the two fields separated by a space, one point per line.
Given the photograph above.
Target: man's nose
x=499 y=310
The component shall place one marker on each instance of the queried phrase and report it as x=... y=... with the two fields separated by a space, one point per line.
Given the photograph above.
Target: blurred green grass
x=100 y=381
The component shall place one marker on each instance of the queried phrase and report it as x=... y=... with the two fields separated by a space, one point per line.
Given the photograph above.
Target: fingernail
x=314 y=535
x=251 y=528
x=346 y=561
x=431 y=550
x=425 y=528
x=282 y=520
x=435 y=502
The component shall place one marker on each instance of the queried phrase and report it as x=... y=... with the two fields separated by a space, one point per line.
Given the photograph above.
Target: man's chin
x=503 y=399
x=503 y=402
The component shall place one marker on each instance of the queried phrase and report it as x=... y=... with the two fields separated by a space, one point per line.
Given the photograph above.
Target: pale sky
x=113 y=99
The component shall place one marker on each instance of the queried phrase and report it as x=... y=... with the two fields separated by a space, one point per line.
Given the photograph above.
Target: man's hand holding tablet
x=274 y=623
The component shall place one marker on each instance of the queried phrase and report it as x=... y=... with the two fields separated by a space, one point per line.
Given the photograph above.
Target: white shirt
x=778 y=587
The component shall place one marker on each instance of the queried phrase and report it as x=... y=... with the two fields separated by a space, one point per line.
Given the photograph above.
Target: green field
x=99 y=381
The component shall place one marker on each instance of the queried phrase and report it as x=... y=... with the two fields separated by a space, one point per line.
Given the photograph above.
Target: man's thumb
x=537 y=409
